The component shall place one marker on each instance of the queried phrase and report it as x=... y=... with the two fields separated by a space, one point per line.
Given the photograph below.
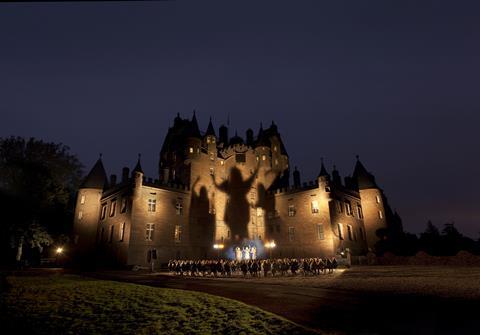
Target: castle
x=222 y=192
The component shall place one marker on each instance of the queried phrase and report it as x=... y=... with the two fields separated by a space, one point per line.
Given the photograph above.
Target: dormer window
x=190 y=150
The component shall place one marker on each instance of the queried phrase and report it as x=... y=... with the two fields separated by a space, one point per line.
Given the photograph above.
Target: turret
x=373 y=203
x=87 y=210
x=249 y=137
x=296 y=178
x=223 y=134
x=336 y=179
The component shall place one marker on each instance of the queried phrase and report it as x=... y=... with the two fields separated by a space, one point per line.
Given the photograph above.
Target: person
x=238 y=254
x=244 y=268
x=266 y=268
x=334 y=263
x=253 y=251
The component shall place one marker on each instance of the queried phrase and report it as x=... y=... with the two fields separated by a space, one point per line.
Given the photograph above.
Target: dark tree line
x=38 y=181
x=445 y=242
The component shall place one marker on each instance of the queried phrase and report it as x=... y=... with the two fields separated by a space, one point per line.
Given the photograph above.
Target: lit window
x=380 y=214
x=264 y=157
x=350 y=232
x=80 y=215
x=82 y=199
x=314 y=206
x=320 y=232
x=149 y=230
x=222 y=162
x=258 y=158
x=275 y=148
x=360 y=212
x=259 y=211
x=122 y=232
x=348 y=208
x=113 y=205
x=212 y=171
x=291 y=210
x=104 y=212
x=340 y=231
x=178 y=234
x=110 y=238
x=190 y=150
x=212 y=156
x=240 y=158
x=152 y=205
x=291 y=234
x=179 y=208
x=123 y=208
x=208 y=140
x=378 y=199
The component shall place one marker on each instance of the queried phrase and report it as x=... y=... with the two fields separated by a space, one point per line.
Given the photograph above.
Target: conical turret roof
x=194 y=130
x=97 y=177
x=323 y=171
x=363 y=178
x=138 y=166
x=210 y=129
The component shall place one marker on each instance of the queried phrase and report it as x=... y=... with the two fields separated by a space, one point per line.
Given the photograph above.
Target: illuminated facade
x=228 y=193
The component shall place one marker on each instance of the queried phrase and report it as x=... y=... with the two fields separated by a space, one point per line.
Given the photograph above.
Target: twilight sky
x=395 y=82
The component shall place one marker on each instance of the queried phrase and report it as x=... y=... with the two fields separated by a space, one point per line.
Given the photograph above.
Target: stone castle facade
x=227 y=192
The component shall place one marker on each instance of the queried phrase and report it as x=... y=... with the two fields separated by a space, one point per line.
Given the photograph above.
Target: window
x=179 y=208
x=338 y=204
x=340 y=231
x=104 y=212
x=314 y=206
x=212 y=156
x=258 y=158
x=380 y=214
x=291 y=234
x=82 y=199
x=275 y=148
x=123 y=207
x=350 y=232
x=208 y=139
x=80 y=215
x=360 y=212
x=276 y=161
x=110 y=238
x=212 y=171
x=178 y=234
x=149 y=230
x=190 y=150
x=378 y=199
x=259 y=211
x=264 y=157
x=320 y=232
x=240 y=158
x=152 y=205
x=122 y=232
x=348 y=208
x=113 y=206
x=222 y=162
x=291 y=210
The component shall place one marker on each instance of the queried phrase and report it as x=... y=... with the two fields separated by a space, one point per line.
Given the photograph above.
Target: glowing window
x=190 y=150
x=113 y=206
x=80 y=215
x=291 y=210
x=122 y=232
x=179 y=208
x=291 y=234
x=104 y=212
x=380 y=214
x=314 y=206
x=82 y=199
x=259 y=211
x=340 y=231
x=378 y=199
x=178 y=234
x=320 y=232
x=222 y=162
x=212 y=171
x=264 y=157
x=152 y=205
x=149 y=230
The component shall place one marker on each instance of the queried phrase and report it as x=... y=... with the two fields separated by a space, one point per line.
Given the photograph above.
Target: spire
x=363 y=178
x=97 y=177
x=262 y=139
x=323 y=171
x=194 y=130
x=138 y=167
x=236 y=139
x=210 y=129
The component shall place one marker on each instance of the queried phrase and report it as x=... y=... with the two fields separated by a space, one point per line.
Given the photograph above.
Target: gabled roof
x=96 y=178
x=363 y=178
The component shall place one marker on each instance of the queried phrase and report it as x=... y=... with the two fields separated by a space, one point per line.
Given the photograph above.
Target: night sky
x=395 y=82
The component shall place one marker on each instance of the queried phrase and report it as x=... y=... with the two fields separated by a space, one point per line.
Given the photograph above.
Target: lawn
x=69 y=304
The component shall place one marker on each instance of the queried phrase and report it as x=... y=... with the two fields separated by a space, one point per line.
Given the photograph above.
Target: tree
x=430 y=240
x=37 y=185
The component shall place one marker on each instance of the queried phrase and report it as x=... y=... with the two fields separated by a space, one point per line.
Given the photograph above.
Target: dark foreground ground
x=368 y=300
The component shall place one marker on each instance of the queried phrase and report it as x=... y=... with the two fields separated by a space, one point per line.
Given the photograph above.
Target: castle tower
x=88 y=211
x=373 y=203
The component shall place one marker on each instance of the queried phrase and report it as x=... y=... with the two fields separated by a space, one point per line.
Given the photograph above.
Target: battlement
x=292 y=189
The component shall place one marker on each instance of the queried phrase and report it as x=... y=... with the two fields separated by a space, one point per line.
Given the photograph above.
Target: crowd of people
x=253 y=268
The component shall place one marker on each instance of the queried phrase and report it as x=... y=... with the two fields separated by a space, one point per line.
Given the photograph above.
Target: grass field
x=69 y=304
